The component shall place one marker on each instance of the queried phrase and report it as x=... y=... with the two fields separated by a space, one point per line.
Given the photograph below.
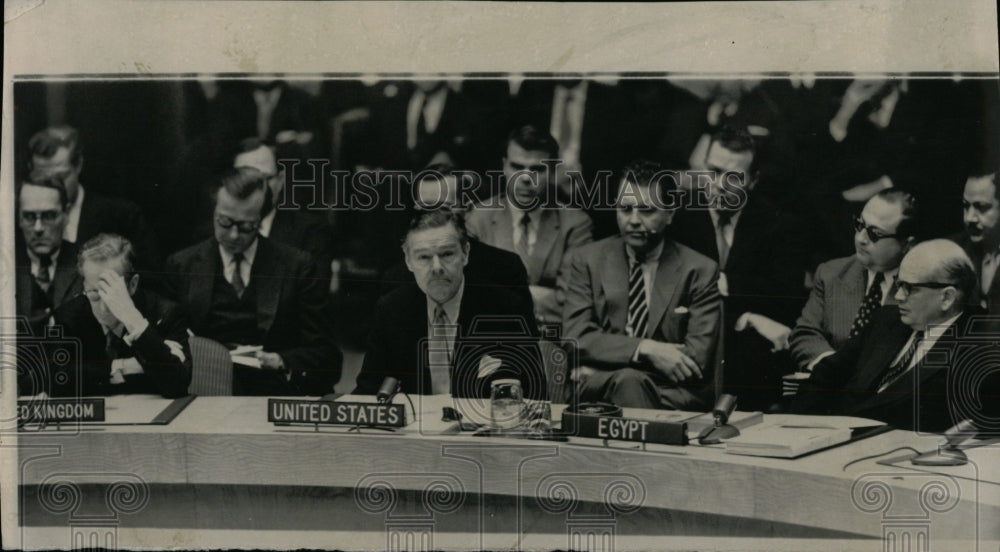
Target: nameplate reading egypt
x=299 y=411
x=624 y=429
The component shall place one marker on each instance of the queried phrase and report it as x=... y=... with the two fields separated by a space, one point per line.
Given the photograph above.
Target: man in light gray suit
x=848 y=290
x=526 y=221
x=643 y=310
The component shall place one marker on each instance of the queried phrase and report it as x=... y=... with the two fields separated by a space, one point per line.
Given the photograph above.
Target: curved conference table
x=219 y=475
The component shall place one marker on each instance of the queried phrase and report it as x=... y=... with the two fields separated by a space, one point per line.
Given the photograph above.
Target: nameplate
x=624 y=429
x=60 y=410
x=300 y=411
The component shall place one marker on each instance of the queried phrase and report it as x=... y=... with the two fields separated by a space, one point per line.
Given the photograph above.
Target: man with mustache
x=643 y=310
x=847 y=291
x=440 y=336
x=981 y=239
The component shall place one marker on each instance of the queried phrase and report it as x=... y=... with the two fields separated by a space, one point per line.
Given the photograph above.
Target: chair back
x=211 y=367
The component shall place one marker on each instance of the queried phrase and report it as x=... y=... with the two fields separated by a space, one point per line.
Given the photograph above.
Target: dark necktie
x=43 y=277
x=638 y=310
x=439 y=356
x=899 y=368
x=873 y=300
x=239 y=286
x=421 y=124
x=725 y=218
x=522 y=244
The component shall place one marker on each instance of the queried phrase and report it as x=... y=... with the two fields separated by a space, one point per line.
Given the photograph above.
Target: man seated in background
x=57 y=150
x=981 y=239
x=45 y=263
x=489 y=267
x=523 y=219
x=847 y=291
x=440 y=336
x=643 y=310
x=290 y=226
x=905 y=368
x=241 y=288
x=130 y=340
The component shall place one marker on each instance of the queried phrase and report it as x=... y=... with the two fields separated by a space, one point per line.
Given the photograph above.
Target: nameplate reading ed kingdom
x=60 y=410
x=299 y=411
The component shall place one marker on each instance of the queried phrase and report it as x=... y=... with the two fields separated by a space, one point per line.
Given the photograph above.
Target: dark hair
x=107 y=247
x=909 y=226
x=991 y=175
x=436 y=218
x=250 y=144
x=45 y=143
x=533 y=138
x=55 y=181
x=243 y=182
x=736 y=139
x=643 y=172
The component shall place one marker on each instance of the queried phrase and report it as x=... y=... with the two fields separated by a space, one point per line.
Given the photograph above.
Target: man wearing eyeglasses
x=981 y=239
x=45 y=271
x=304 y=230
x=242 y=289
x=911 y=348
x=847 y=291
x=130 y=340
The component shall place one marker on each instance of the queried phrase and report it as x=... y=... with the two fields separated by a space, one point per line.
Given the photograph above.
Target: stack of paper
x=786 y=441
x=246 y=355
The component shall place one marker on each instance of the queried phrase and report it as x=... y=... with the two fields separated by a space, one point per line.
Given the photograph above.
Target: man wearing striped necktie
x=924 y=364
x=643 y=310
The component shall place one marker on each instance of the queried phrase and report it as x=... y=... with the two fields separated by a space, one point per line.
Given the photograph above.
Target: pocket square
x=488 y=366
x=681 y=310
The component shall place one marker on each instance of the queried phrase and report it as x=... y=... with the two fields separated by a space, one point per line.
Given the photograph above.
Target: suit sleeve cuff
x=815 y=361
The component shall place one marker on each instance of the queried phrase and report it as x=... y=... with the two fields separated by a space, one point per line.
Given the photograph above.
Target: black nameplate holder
x=57 y=411
x=352 y=414
x=617 y=428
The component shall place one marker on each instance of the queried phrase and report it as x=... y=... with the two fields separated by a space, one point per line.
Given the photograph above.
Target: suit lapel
x=203 y=280
x=664 y=286
x=268 y=292
x=502 y=227
x=66 y=275
x=881 y=360
x=854 y=283
x=614 y=282
x=548 y=232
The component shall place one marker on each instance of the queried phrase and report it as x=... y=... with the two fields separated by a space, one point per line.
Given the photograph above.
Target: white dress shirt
x=228 y=266
x=36 y=265
x=888 y=279
x=930 y=338
x=73 y=217
x=433 y=109
x=440 y=365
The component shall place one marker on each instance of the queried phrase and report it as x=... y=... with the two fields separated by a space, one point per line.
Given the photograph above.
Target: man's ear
x=133 y=284
x=669 y=216
x=406 y=258
x=465 y=251
x=950 y=298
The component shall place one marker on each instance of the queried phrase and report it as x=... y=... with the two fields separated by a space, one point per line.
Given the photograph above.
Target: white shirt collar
x=652 y=257
x=73 y=217
x=36 y=263
x=452 y=307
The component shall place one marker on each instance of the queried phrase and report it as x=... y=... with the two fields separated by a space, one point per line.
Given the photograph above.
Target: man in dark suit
x=130 y=340
x=524 y=218
x=58 y=151
x=304 y=230
x=643 y=310
x=905 y=368
x=417 y=126
x=847 y=291
x=762 y=274
x=45 y=263
x=489 y=267
x=981 y=239
x=443 y=337
x=588 y=119
x=241 y=288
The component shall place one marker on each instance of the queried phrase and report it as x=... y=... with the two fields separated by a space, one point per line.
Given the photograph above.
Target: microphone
x=949 y=454
x=724 y=407
x=390 y=386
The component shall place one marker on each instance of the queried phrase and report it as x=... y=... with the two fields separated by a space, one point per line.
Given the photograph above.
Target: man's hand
x=270 y=361
x=775 y=332
x=670 y=360
x=114 y=294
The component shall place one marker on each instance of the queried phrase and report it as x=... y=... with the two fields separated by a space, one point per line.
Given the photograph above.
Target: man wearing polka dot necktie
x=847 y=291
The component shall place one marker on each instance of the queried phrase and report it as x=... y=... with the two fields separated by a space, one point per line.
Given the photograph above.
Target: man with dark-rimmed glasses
x=242 y=289
x=847 y=291
x=904 y=367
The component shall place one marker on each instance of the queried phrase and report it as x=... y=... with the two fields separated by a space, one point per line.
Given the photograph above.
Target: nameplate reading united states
x=61 y=410
x=299 y=411
x=625 y=429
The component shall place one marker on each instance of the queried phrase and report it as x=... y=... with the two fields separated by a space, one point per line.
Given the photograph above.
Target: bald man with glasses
x=243 y=289
x=904 y=367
